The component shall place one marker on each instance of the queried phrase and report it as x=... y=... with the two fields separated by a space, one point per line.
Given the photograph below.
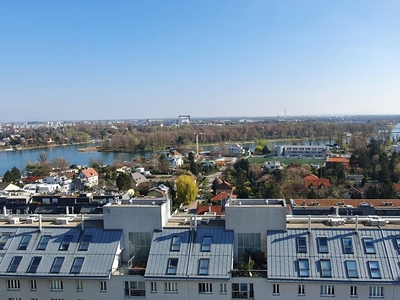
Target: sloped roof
x=313 y=180
x=222 y=196
x=220 y=255
x=98 y=259
x=343 y=160
x=90 y=172
x=138 y=177
x=283 y=255
x=201 y=209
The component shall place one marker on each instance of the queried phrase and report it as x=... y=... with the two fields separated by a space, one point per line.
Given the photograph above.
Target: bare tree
x=43 y=157
x=60 y=164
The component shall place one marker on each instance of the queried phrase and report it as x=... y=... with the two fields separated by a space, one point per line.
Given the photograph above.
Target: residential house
x=138 y=178
x=313 y=182
x=175 y=159
x=89 y=177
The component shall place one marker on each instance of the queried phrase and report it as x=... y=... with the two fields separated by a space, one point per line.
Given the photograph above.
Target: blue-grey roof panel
x=98 y=259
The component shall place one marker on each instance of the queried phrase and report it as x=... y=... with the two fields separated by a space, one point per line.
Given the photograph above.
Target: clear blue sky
x=74 y=60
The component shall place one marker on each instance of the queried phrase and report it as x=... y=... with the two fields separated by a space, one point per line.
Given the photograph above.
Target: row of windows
x=55 y=267
x=326 y=268
x=44 y=240
x=55 y=285
x=329 y=290
x=173 y=266
x=177 y=240
x=347 y=243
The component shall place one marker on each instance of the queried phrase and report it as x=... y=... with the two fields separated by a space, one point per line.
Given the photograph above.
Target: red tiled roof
x=222 y=196
x=201 y=209
x=396 y=186
x=343 y=160
x=312 y=180
x=90 y=172
x=31 y=179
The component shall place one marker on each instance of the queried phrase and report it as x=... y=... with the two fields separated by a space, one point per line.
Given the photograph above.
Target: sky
x=92 y=60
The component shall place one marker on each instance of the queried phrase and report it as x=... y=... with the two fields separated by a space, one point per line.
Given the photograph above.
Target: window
x=205 y=288
x=65 y=242
x=135 y=289
x=172 y=266
x=77 y=265
x=348 y=246
x=353 y=291
x=103 y=286
x=33 y=285
x=375 y=291
x=301 y=290
x=374 y=269
x=56 y=285
x=327 y=290
x=14 y=298
x=206 y=244
x=44 y=240
x=203 y=266
x=248 y=241
x=139 y=242
x=326 y=268
x=351 y=266
x=222 y=288
x=13 y=284
x=34 y=264
x=24 y=242
x=86 y=240
x=57 y=264
x=302 y=244
x=171 y=286
x=398 y=243
x=304 y=268
x=79 y=285
x=369 y=246
x=153 y=287
x=323 y=245
x=176 y=243
x=12 y=268
x=3 y=240
x=275 y=289
x=241 y=290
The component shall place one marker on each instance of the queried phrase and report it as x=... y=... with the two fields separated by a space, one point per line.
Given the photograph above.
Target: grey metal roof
x=99 y=257
x=283 y=256
x=220 y=255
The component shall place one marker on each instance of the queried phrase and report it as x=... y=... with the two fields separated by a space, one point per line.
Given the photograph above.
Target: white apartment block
x=137 y=250
x=302 y=151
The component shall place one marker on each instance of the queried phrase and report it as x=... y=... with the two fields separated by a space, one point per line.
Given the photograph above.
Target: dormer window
x=326 y=268
x=24 y=242
x=348 y=245
x=323 y=245
x=85 y=243
x=44 y=240
x=369 y=246
x=302 y=244
x=65 y=242
x=203 y=266
x=176 y=243
x=206 y=244
x=172 y=266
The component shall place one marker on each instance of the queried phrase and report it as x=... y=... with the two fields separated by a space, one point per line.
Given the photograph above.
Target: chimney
x=40 y=223
x=4 y=210
x=82 y=222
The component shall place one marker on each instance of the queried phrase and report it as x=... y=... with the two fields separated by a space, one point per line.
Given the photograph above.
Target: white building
x=302 y=151
x=273 y=165
x=137 y=250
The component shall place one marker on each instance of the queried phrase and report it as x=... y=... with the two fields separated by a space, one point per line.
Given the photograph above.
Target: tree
x=270 y=190
x=8 y=177
x=163 y=163
x=123 y=182
x=60 y=164
x=186 y=189
x=193 y=167
x=42 y=157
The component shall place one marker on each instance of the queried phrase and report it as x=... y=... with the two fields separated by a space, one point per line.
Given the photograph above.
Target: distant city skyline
x=159 y=59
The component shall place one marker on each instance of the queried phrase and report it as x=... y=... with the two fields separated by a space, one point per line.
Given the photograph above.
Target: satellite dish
x=130 y=193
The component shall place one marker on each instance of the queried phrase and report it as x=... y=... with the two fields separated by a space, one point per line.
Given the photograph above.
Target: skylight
x=176 y=243
x=44 y=240
x=348 y=245
x=65 y=242
x=34 y=264
x=57 y=264
x=85 y=243
x=24 y=242
x=304 y=268
x=206 y=244
x=326 y=268
x=302 y=244
x=12 y=268
x=77 y=265
x=369 y=246
x=323 y=245
x=203 y=266
x=351 y=266
x=172 y=266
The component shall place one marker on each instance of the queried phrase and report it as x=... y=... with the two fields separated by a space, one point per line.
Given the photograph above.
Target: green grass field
x=286 y=161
